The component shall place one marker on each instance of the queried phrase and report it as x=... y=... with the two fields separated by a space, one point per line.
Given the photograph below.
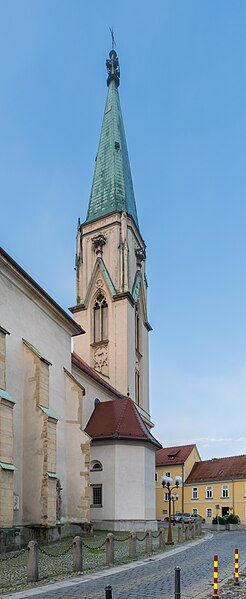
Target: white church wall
x=128 y=486
x=106 y=454
x=24 y=316
x=130 y=481
x=93 y=391
x=150 y=498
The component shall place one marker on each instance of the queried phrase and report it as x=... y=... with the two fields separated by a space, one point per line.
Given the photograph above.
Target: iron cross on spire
x=112 y=63
x=112 y=37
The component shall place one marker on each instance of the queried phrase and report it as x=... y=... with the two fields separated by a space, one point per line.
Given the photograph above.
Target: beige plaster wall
x=40 y=326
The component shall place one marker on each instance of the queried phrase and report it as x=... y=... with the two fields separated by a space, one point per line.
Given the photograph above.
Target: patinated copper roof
x=218 y=469
x=173 y=455
x=119 y=419
x=112 y=187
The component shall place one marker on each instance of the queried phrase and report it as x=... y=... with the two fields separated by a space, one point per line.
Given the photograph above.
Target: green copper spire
x=112 y=187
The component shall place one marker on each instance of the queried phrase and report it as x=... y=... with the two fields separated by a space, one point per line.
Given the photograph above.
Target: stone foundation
x=125 y=525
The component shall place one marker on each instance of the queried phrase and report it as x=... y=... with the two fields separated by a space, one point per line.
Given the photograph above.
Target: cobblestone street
x=155 y=579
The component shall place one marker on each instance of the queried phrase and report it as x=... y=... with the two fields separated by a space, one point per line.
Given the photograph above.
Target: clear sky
x=183 y=96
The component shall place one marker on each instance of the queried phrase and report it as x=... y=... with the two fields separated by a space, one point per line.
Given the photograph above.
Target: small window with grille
x=96 y=496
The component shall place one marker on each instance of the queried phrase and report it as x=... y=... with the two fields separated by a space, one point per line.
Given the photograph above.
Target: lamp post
x=170 y=484
x=174 y=498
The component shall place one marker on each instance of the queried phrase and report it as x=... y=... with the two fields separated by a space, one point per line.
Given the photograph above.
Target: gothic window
x=100 y=318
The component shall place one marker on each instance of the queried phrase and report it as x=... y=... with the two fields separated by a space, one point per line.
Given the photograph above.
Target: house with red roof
x=217 y=487
x=210 y=488
x=173 y=461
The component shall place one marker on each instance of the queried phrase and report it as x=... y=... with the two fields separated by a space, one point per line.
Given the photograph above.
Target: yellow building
x=173 y=461
x=217 y=487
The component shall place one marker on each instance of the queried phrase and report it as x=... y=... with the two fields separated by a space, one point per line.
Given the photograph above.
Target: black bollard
x=108 y=592
x=177 y=584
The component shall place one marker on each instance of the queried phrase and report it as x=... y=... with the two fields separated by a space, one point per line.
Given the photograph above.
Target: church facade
x=75 y=429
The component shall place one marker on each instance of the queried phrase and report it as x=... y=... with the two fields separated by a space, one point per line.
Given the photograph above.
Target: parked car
x=177 y=517
x=198 y=519
x=188 y=518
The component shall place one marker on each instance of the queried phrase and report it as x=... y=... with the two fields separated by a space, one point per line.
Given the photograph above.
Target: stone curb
x=80 y=580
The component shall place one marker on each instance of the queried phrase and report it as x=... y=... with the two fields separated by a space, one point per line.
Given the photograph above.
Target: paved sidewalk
x=231 y=592
x=154 y=578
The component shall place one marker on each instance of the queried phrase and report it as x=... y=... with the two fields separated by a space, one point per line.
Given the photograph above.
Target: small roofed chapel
x=76 y=447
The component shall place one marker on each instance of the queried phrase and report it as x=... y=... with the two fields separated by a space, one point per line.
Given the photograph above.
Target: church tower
x=111 y=279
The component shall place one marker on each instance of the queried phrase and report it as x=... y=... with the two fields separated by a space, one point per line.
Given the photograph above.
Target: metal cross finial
x=112 y=37
x=112 y=63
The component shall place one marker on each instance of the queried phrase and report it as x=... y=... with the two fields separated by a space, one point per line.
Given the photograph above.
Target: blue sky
x=183 y=96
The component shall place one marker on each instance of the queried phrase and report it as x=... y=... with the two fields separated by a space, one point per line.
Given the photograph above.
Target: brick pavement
x=155 y=579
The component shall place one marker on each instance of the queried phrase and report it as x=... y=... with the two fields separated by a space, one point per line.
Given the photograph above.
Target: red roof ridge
x=177 y=454
x=219 y=469
x=227 y=457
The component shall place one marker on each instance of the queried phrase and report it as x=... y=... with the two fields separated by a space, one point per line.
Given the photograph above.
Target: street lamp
x=170 y=484
x=174 y=498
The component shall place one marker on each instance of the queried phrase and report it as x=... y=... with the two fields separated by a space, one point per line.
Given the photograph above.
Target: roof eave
x=74 y=328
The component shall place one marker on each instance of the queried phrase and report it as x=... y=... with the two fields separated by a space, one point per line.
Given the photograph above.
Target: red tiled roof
x=82 y=365
x=218 y=469
x=173 y=455
x=118 y=419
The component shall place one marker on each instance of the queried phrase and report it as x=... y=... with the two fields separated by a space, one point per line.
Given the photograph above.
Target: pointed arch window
x=100 y=319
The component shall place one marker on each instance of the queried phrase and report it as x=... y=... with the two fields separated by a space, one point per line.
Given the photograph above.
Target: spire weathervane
x=112 y=63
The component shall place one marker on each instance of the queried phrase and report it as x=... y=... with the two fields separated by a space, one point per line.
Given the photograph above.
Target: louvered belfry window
x=100 y=318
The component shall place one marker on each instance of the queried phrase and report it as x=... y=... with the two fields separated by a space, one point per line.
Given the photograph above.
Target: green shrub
x=219 y=520
x=233 y=519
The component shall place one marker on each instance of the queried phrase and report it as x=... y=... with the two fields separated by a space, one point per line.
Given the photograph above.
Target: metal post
x=32 y=561
x=216 y=577
x=169 y=535
x=236 y=568
x=108 y=592
x=177 y=584
x=77 y=555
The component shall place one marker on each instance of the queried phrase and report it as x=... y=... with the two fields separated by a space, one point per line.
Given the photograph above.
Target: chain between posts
x=144 y=537
x=9 y=557
x=94 y=548
x=122 y=540
x=42 y=550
